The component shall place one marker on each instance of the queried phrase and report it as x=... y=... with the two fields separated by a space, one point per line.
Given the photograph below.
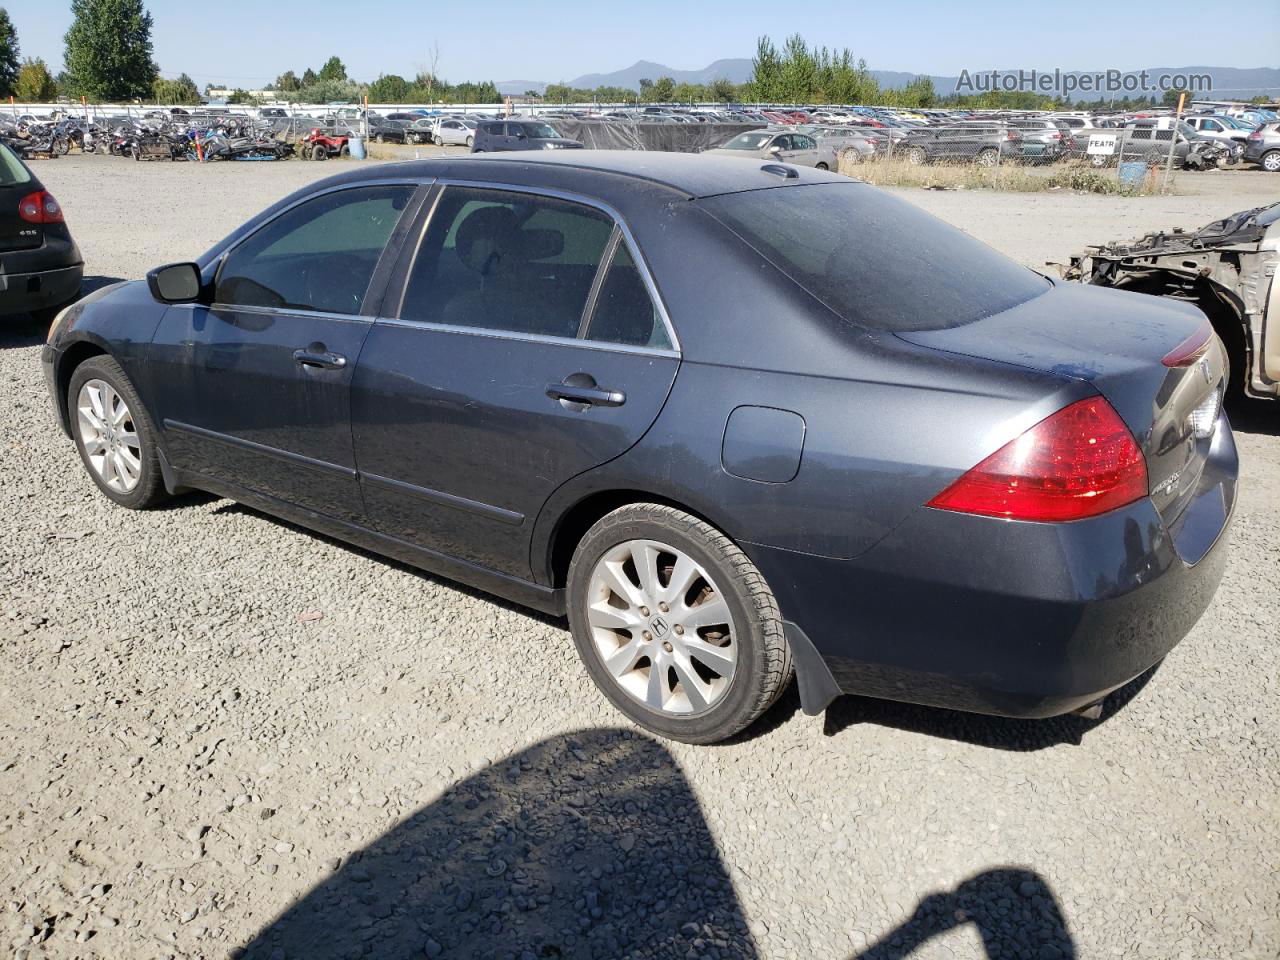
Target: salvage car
x=40 y=265
x=1226 y=268
x=1263 y=147
x=493 y=136
x=968 y=486
x=798 y=148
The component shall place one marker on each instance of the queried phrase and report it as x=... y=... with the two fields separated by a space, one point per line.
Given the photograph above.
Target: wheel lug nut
x=644 y=611
x=647 y=635
x=679 y=628
x=663 y=607
x=666 y=647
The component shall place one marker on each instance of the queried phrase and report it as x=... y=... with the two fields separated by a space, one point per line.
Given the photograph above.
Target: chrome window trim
x=221 y=257
x=494 y=334
x=443 y=183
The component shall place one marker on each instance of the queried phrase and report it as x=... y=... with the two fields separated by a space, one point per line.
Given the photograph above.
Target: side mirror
x=175 y=283
x=775 y=149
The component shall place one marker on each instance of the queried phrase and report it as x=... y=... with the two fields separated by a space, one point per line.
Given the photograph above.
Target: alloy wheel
x=109 y=435
x=1271 y=162
x=661 y=627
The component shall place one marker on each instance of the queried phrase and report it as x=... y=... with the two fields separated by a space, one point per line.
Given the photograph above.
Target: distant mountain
x=1228 y=82
x=737 y=70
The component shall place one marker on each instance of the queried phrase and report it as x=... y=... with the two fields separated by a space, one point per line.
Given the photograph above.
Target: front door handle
x=580 y=391
x=320 y=358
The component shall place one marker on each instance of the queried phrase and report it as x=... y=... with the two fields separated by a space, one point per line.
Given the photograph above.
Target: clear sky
x=248 y=42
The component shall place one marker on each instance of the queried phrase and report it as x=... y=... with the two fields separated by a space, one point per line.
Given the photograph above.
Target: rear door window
x=500 y=260
x=874 y=259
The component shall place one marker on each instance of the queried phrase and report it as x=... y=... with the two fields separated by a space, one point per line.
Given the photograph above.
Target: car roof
x=689 y=174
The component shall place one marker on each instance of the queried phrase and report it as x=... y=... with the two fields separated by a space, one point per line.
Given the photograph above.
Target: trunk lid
x=1115 y=341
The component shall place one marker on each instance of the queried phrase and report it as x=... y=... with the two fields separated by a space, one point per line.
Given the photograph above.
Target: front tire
x=917 y=156
x=114 y=434
x=470 y=142
x=675 y=624
x=1271 y=161
x=821 y=166
x=987 y=157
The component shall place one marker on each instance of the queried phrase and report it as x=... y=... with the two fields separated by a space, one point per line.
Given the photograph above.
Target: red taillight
x=40 y=207
x=1191 y=349
x=1256 y=135
x=1078 y=463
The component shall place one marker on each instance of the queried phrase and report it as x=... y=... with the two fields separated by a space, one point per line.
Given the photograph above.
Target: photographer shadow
x=586 y=845
x=592 y=845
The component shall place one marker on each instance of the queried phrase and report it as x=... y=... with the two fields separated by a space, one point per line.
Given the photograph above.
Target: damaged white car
x=1226 y=268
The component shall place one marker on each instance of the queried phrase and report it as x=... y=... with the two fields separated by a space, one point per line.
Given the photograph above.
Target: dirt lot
x=220 y=733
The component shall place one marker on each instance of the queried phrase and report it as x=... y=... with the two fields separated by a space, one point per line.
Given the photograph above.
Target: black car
x=40 y=265
x=985 y=144
x=732 y=417
x=493 y=136
x=385 y=130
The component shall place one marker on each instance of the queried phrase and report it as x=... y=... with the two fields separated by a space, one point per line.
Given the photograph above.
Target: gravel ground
x=220 y=734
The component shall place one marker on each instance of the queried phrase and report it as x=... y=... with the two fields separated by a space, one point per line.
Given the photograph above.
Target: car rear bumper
x=24 y=292
x=1004 y=617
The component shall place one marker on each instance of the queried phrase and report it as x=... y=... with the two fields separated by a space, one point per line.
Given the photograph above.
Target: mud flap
x=817 y=686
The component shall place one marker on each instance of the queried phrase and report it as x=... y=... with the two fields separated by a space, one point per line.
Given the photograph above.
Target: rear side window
x=507 y=261
x=874 y=259
x=625 y=313
x=319 y=255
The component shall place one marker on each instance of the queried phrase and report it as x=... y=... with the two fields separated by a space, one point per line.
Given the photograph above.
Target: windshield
x=875 y=259
x=12 y=170
x=748 y=141
x=542 y=131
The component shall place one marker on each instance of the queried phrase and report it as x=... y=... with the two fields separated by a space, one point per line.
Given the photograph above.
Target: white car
x=454 y=131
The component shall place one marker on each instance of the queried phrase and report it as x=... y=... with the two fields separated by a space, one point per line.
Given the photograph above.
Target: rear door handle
x=589 y=395
x=320 y=358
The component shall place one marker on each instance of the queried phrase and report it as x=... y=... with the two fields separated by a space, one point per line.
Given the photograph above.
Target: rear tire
x=470 y=142
x=917 y=156
x=987 y=157
x=717 y=675
x=1271 y=161
x=821 y=166
x=133 y=435
x=346 y=150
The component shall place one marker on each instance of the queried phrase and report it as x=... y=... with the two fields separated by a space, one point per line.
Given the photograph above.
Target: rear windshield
x=12 y=170
x=874 y=259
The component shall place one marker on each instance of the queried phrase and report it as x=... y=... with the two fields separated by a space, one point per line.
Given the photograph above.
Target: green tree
x=308 y=77
x=389 y=88
x=35 y=82
x=689 y=93
x=646 y=89
x=8 y=55
x=333 y=69
x=1170 y=98
x=766 y=72
x=108 y=49
x=663 y=90
x=288 y=82
x=240 y=96
x=182 y=90
x=723 y=90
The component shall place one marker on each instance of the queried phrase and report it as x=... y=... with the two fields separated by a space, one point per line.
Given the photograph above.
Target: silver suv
x=1263 y=147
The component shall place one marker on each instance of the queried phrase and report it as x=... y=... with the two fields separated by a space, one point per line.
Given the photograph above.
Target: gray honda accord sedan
x=735 y=420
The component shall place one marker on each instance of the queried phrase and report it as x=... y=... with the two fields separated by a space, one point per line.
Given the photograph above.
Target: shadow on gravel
x=23 y=330
x=592 y=845
x=1012 y=909
x=1254 y=416
x=999 y=733
x=585 y=845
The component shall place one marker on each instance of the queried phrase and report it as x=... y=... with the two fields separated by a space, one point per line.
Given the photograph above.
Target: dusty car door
x=527 y=347
x=252 y=389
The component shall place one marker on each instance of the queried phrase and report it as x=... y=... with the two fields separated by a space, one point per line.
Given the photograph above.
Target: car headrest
x=491 y=242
